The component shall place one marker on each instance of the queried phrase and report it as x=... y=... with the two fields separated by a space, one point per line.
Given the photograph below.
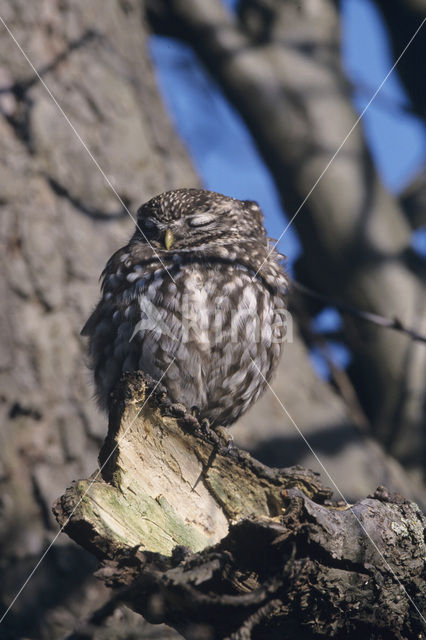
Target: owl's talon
x=205 y=426
x=177 y=409
x=230 y=445
x=195 y=411
x=224 y=435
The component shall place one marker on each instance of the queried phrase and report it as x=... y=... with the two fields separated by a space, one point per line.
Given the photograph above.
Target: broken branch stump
x=217 y=545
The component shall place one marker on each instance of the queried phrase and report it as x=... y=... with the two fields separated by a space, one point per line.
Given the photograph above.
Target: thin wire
x=341 y=495
x=78 y=136
x=357 y=121
x=81 y=499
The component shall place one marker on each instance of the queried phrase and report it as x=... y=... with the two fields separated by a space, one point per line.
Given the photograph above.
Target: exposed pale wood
x=195 y=533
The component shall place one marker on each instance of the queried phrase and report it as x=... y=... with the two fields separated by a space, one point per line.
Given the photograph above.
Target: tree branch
x=198 y=536
x=367 y=316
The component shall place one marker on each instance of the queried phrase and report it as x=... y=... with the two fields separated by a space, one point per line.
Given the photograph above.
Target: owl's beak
x=168 y=239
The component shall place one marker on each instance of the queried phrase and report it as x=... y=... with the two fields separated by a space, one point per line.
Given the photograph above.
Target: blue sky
x=226 y=157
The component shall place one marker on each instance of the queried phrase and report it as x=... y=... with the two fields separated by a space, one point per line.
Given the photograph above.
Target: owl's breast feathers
x=206 y=316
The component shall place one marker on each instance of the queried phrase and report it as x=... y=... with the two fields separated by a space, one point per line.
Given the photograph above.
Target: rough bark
x=279 y=64
x=203 y=537
x=59 y=223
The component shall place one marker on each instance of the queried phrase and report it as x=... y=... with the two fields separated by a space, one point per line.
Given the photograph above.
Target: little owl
x=196 y=300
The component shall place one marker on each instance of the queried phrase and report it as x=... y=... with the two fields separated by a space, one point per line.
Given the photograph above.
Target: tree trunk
x=59 y=224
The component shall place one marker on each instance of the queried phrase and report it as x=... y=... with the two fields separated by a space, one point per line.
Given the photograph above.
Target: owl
x=197 y=300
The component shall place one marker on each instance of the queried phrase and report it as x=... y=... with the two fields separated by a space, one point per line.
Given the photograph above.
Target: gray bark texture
x=60 y=221
x=219 y=546
x=59 y=224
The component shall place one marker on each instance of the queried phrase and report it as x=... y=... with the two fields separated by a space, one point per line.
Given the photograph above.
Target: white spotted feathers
x=213 y=304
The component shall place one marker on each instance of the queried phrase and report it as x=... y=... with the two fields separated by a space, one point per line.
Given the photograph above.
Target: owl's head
x=186 y=219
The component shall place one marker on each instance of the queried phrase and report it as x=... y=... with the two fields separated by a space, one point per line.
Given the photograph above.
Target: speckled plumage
x=209 y=313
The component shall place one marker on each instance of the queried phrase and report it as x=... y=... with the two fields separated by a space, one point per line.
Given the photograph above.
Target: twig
x=374 y=318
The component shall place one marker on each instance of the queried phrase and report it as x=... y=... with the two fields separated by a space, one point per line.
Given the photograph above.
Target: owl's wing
x=92 y=321
x=138 y=253
x=111 y=267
